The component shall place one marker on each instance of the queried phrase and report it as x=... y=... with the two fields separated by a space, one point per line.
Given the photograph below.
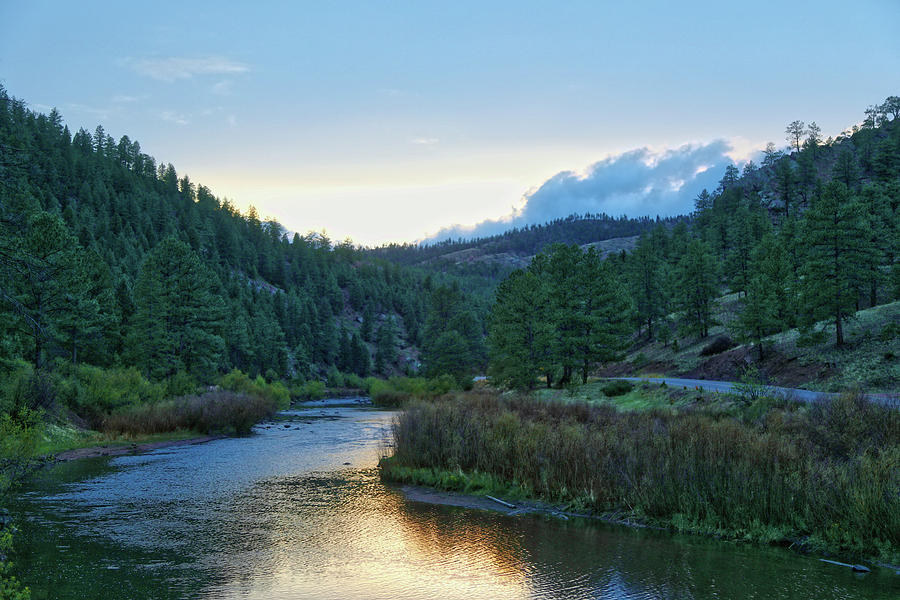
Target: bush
x=617 y=388
x=94 y=392
x=398 y=390
x=18 y=438
x=28 y=392
x=275 y=392
x=751 y=388
x=180 y=384
x=717 y=346
x=214 y=412
x=310 y=390
x=352 y=380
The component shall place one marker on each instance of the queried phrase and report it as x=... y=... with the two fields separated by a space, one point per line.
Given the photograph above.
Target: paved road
x=728 y=387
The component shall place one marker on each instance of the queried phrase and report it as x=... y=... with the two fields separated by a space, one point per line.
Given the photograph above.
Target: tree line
x=805 y=240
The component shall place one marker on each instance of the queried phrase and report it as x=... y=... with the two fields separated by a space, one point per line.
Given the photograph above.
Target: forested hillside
x=111 y=258
x=801 y=242
x=526 y=241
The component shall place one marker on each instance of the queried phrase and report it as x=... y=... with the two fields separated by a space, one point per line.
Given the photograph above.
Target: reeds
x=218 y=411
x=830 y=475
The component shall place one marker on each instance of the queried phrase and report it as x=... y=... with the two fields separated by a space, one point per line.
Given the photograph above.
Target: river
x=297 y=511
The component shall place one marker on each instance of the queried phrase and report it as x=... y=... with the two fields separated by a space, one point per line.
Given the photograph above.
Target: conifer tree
x=838 y=249
x=519 y=333
x=178 y=320
x=385 y=347
x=697 y=274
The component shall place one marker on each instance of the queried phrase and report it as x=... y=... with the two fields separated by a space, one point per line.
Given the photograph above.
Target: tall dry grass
x=831 y=474
x=219 y=411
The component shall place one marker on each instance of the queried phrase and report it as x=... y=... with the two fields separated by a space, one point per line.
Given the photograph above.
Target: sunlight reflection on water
x=280 y=515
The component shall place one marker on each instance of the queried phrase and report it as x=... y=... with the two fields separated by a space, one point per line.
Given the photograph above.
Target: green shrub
x=180 y=384
x=617 y=388
x=10 y=587
x=383 y=393
x=352 y=380
x=311 y=390
x=98 y=392
x=398 y=390
x=18 y=438
x=275 y=392
x=28 y=393
x=334 y=378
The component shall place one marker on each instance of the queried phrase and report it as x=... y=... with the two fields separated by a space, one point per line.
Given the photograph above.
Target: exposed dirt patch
x=728 y=366
x=791 y=371
x=777 y=369
x=629 y=369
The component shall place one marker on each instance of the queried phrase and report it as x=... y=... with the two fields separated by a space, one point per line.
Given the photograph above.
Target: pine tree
x=178 y=319
x=646 y=281
x=385 y=347
x=518 y=332
x=697 y=289
x=604 y=314
x=759 y=315
x=838 y=248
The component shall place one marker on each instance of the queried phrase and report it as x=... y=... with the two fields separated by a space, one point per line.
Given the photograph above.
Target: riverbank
x=514 y=506
x=824 y=479
x=132 y=447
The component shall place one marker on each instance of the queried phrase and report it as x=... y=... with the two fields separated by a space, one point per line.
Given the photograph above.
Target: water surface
x=297 y=511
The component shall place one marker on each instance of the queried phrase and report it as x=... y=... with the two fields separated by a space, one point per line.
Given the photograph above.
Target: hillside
x=493 y=257
x=111 y=258
x=789 y=269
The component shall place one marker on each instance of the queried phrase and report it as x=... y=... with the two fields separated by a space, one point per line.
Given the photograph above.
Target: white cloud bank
x=635 y=183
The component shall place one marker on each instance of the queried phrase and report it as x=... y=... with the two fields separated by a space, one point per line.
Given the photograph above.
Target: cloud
x=222 y=88
x=173 y=117
x=424 y=141
x=640 y=182
x=124 y=99
x=173 y=69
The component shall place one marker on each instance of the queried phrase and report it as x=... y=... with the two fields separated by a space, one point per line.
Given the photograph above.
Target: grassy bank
x=869 y=359
x=826 y=477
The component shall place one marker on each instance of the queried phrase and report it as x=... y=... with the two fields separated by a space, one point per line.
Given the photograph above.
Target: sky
x=399 y=121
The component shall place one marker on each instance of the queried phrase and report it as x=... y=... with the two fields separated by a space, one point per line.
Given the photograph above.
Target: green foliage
x=399 y=390
x=751 y=388
x=102 y=391
x=617 y=388
x=567 y=312
x=275 y=393
x=839 y=250
x=519 y=332
x=107 y=258
x=453 y=335
x=309 y=390
x=697 y=276
x=178 y=319
x=10 y=587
